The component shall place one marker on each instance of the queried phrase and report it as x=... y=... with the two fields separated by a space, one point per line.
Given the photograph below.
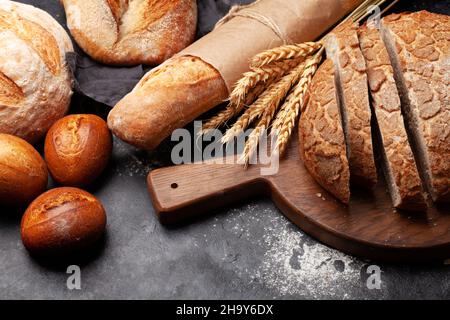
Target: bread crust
x=77 y=149
x=401 y=170
x=23 y=172
x=131 y=32
x=142 y=117
x=35 y=82
x=343 y=48
x=322 y=142
x=62 y=221
x=421 y=42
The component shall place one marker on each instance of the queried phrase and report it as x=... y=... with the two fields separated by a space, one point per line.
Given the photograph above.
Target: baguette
x=343 y=48
x=418 y=46
x=122 y=32
x=398 y=164
x=147 y=115
x=321 y=137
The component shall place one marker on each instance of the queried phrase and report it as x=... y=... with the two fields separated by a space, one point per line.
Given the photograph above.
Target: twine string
x=245 y=11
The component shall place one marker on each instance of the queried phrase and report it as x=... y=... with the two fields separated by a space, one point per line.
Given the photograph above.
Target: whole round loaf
x=77 y=149
x=62 y=221
x=23 y=173
x=123 y=32
x=35 y=83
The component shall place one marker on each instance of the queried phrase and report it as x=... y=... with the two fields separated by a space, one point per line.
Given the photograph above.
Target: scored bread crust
x=343 y=48
x=399 y=164
x=419 y=45
x=186 y=84
x=131 y=32
x=35 y=82
x=321 y=137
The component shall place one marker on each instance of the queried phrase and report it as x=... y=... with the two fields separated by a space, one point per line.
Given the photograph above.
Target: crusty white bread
x=418 y=45
x=35 y=82
x=398 y=164
x=343 y=48
x=130 y=32
x=321 y=137
x=186 y=84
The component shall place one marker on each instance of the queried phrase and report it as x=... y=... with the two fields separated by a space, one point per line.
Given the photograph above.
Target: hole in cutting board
x=174 y=185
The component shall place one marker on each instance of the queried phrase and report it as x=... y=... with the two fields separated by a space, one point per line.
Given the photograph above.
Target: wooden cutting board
x=369 y=227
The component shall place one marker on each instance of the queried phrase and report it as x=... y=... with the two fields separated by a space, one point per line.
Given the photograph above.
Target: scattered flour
x=293 y=263
x=293 y=266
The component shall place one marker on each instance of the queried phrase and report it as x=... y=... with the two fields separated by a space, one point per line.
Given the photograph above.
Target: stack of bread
x=383 y=91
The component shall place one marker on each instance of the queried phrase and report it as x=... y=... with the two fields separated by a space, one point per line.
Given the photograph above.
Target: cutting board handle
x=185 y=191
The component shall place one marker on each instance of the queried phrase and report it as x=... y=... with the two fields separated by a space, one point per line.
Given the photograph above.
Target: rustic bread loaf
x=129 y=32
x=35 y=83
x=399 y=165
x=418 y=45
x=186 y=84
x=322 y=143
x=343 y=48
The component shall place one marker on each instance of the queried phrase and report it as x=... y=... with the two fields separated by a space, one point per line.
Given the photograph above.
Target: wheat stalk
x=247 y=91
x=259 y=75
x=253 y=142
x=294 y=51
x=231 y=111
x=267 y=103
x=287 y=117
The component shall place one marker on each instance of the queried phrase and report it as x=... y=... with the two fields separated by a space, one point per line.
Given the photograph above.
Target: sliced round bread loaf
x=418 y=45
x=322 y=142
x=398 y=164
x=343 y=48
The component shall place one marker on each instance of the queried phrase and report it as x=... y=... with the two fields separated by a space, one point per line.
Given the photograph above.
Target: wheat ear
x=294 y=51
x=267 y=103
x=288 y=115
x=247 y=91
x=257 y=76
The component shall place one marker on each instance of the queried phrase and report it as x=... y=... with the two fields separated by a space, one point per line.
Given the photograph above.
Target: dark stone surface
x=246 y=251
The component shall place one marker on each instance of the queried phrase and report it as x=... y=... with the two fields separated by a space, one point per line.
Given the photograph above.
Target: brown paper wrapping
x=229 y=47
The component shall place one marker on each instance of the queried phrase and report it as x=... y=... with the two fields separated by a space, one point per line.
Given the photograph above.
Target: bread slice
x=343 y=48
x=398 y=164
x=418 y=46
x=322 y=142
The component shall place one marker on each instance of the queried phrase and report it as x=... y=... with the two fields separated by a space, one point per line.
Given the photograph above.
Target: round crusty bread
x=321 y=137
x=35 y=83
x=130 y=32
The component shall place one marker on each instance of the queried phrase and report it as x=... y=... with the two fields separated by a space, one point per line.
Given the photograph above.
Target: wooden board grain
x=368 y=227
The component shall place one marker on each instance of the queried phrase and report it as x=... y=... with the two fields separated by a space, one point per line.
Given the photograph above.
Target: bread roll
x=398 y=160
x=77 y=149
x=23 y=173
x=343 y=48
x=418 y=45
x=62 y=221
x=35 y=83
x=322 y=143
x=185 y=84
x=123 y=32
